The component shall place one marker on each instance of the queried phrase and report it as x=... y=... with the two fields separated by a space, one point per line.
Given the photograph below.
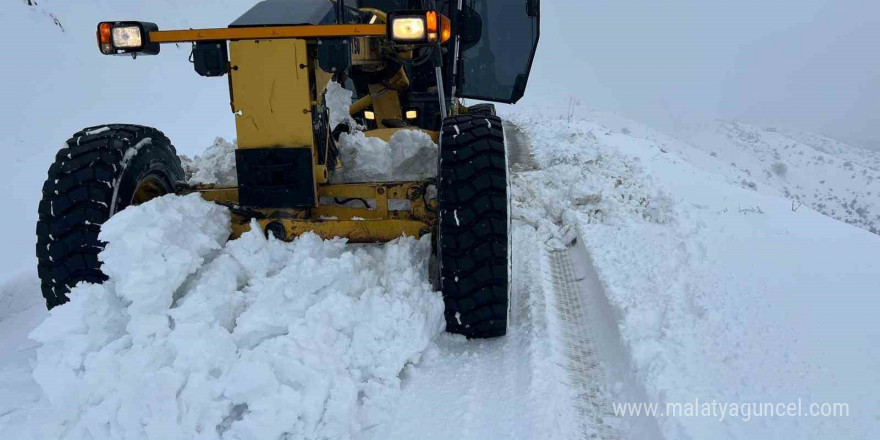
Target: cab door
x=496 y=68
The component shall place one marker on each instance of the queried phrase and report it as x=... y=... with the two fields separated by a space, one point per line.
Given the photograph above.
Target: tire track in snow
x=599 y=364
x=577 y=341
x=583 y=330
x=506 y=388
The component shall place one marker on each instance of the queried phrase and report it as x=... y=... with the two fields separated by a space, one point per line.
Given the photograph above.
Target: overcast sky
x=808 y=63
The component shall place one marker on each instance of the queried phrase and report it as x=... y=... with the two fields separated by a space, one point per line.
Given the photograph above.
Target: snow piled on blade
x=409 y=155
x=255 y=338
x=338 y=101
x=216 y=166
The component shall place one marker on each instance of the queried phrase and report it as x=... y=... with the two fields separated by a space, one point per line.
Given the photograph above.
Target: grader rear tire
x=99 y=172
x=473 y=226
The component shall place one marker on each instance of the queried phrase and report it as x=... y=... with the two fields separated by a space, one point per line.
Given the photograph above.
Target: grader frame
x=275 y=87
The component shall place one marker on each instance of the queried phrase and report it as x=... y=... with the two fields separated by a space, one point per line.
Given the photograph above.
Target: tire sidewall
x=153 y=159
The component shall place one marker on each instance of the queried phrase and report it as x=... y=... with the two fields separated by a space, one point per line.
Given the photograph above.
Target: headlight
x=408 y=29
x=419 y=27
x=127 y=37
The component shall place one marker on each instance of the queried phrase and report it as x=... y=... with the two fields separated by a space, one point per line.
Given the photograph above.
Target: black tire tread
x=76 y=201
x=473 y=247
x=482 y=109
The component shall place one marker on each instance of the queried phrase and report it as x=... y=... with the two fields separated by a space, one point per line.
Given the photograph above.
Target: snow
x=509 y=388
x=701 y=274
x=837 y=179
x=408 y=155
x=194 y=338
x=21 y=309
x=78 y=87
x=640 y=274
x=719 y=292
x=216 y=166
x=97 y=131
x=338 y=100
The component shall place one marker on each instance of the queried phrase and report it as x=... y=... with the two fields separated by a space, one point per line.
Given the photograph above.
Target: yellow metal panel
x=379 y=225
x=356 y=231
x=345 y=213
x=272 y=93
x=322 y=77
x=395 y=190
x=269 y=32
x=386 y=105
x=361 y=104
x=219 y=194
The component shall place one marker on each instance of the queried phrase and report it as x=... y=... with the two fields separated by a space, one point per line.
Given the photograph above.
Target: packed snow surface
x=408 y=155
x=252 y=339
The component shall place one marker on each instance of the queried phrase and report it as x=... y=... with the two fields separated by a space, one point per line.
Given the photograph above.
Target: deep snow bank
x=255 y=338
x=21 y=309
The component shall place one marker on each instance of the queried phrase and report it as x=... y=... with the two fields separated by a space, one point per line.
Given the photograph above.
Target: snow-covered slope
x=839 y=180
x=61 y=83
x=721 y=293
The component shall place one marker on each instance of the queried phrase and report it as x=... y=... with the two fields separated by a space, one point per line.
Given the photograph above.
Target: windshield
x=497 y=67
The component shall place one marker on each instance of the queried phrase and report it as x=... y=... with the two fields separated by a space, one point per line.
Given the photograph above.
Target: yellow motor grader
x=408 y=64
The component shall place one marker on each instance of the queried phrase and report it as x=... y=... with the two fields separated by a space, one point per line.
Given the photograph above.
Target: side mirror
x=533 y=7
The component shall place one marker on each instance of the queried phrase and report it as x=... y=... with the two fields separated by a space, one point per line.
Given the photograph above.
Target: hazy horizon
x=810 y=64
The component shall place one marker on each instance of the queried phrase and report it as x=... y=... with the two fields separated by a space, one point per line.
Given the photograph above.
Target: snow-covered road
x=511 y=388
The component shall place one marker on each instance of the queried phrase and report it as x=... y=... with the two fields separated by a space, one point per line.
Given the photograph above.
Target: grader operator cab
x=409 y=64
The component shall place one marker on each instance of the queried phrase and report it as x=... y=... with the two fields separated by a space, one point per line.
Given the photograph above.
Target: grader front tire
x=99 y=172
x=473 y=226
